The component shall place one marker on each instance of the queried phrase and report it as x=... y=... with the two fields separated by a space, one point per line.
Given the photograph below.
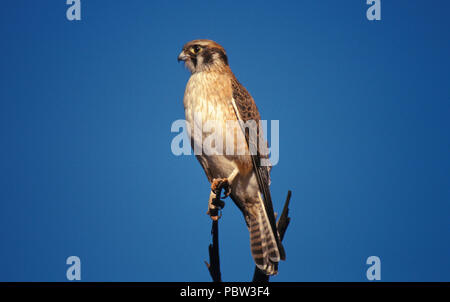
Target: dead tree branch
x=214 y=265
x=214 y=259
x=213 y=249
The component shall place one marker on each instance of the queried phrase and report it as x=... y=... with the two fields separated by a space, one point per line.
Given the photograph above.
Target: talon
x=227 y=191
x=215 y=202
x=216 y=184
x=214 y=214
x=220 y=204
x=220 y=184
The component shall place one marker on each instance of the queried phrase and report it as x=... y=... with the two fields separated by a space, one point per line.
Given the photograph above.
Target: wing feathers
x=245 y=109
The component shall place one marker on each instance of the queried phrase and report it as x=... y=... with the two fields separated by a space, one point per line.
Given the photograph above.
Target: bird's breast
x=209 y=94
x=209 y=110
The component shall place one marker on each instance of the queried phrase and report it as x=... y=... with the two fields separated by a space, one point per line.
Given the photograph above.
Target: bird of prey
x=214 y=94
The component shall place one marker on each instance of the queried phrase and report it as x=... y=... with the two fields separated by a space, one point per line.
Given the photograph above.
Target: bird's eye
x=195 y=49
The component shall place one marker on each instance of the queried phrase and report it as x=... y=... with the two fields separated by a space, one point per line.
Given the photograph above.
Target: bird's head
x=203 y=55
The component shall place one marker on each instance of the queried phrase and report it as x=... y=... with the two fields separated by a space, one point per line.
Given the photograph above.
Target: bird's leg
x=224 y=183
x=214 y=205
x=217 y=185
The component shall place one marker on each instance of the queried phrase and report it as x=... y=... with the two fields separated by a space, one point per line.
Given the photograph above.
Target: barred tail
x=263 y=243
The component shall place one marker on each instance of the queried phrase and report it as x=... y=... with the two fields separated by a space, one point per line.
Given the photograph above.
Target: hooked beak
x=182 y=56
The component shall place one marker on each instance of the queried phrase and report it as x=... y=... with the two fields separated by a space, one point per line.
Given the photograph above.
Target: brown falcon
x=214 y=94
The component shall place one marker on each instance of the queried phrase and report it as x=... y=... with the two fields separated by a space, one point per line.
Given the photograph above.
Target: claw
x=227 y=191
x=214 y=213
x=220 y=184
x=216 y=204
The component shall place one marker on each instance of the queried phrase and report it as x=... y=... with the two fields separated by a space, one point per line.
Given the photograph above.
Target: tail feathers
x=263 y=244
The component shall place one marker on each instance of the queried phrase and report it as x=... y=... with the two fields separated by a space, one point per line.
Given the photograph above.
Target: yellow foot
x=219 y=184
x=213 y=212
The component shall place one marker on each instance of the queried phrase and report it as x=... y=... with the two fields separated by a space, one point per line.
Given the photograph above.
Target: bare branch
x=214 y=259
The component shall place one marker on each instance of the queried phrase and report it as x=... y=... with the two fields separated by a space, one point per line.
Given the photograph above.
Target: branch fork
x=215 y=213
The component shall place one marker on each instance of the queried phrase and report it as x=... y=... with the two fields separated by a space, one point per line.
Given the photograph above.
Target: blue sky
x=86 y=109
